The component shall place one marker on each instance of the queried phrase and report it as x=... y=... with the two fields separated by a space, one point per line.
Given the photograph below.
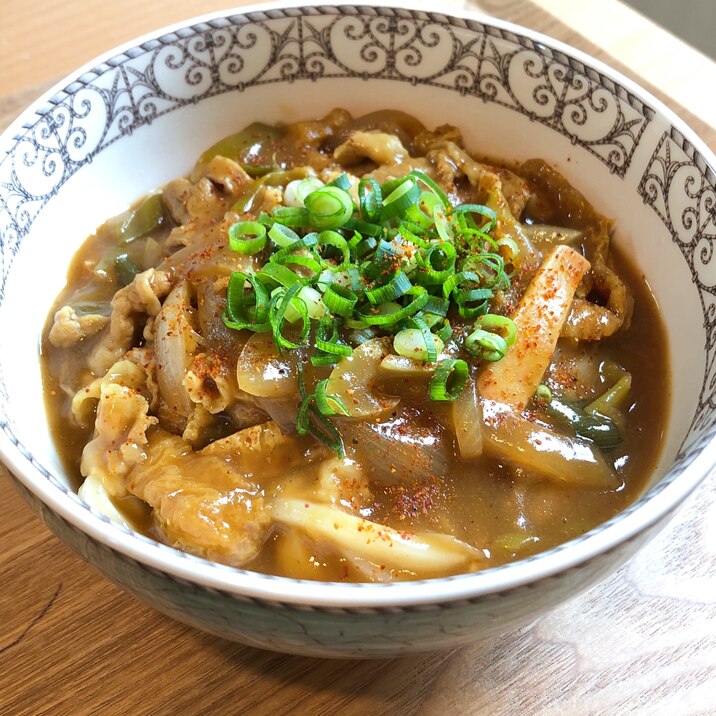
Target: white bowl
x=140 y=115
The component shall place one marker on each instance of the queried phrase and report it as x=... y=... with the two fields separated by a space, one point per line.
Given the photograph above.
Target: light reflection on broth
x=185 y=427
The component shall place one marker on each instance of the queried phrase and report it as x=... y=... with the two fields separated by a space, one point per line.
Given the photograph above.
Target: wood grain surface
x=644 y=641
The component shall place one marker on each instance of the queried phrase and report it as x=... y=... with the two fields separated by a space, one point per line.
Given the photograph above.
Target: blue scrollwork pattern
x=681 y=189
x=242 y=51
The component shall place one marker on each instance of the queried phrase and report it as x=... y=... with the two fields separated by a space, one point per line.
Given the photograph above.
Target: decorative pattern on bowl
x=577 y=105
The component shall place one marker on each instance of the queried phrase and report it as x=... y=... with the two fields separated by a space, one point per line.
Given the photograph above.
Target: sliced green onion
x=312 y=264
x=438 y=306
x=444 y=330
x=365 y=246
x=490 y=269
x=398 y=286
x=341 y=181
x=402 y=197
x=282 y=236
x=410 y=232
x=442 y=225
x=314 y=302
x=246 y=309
x=279 y=274
x=449 y=379
x=278 y=306
x=327 y=338
x=297 y=190
x=328 y=208
x=457 y=279
x=340 y=300
x=390 y=185
x=334 y=239
x=513 y=249
x=328 y=404
x=371 y=199
x=364 y=227
x=485 y=345
x=292 y=216
x=247 y=237
x=321 y=358
x=418 y=344
x=485 y=211
x=423 y=178
x=309 y=419
x=493 y=322
x=303 y=416
x=472 y=295
x=493 y=336
x=419 y=299
x=416 y=217
x=438 y=264
x=324 y=431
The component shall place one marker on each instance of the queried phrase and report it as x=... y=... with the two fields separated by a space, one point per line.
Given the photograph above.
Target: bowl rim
x=650 y=508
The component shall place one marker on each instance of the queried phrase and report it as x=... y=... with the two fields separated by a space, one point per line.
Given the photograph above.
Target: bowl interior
x=135 y=121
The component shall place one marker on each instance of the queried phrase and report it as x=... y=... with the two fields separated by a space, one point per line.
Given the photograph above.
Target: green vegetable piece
x=148 y=216
x=125 y=269
x=611 y=399
x=251 y=147
x=598 y=428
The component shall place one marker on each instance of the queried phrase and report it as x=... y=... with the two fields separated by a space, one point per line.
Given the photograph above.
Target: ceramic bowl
x=139 y=116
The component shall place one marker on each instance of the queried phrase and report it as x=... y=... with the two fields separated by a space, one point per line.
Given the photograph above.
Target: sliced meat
x=452 y=162
x=139 y=299
x=176 y=195
x=202 y=503
x=378 y=147
x=209 y=382
x=228 y=174
x=70 y=328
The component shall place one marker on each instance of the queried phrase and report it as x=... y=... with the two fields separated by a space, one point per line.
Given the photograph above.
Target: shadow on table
x=313 y=685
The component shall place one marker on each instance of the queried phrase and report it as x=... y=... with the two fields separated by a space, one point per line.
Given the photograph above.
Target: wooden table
x=70 y=642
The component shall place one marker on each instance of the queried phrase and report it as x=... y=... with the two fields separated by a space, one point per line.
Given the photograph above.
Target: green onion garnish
x=432 y=186
x=398 y=286
x=328 y=404
x=247 y=237
x=278 y=273
x=328 y=340
x=400 y=199
x=371 y=199
x=246 y=309
x=485 y=211
x=292 y=216
x=403 y=263
x=378 y=318
x=282 y=236
x=492 y=336
x=340 y=300
x=449 y=379
x=341 y=181
x=328 y=208
x=278 y=306
x=310 y=419
x=418 y=344
x=333 y=239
